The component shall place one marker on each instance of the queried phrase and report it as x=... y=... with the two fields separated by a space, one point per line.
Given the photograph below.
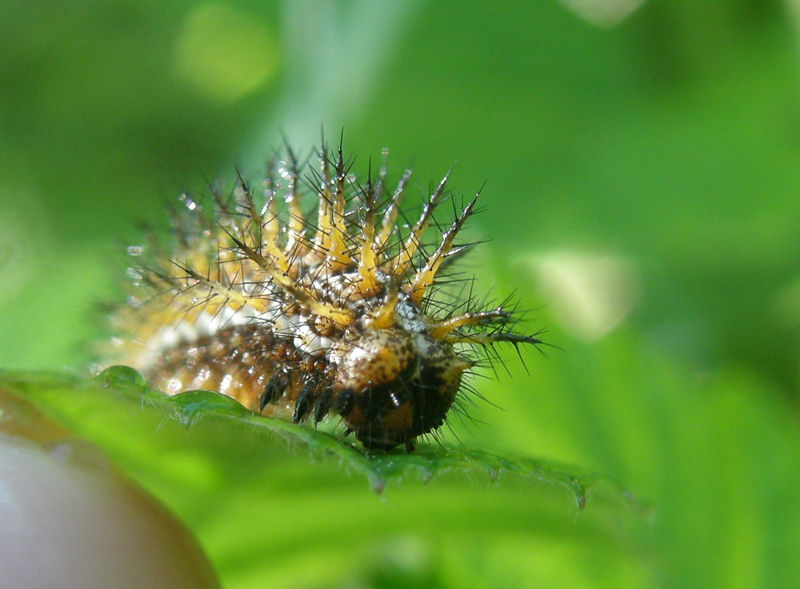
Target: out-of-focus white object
x=589 y=294
x=69 y=519
x=603 y=13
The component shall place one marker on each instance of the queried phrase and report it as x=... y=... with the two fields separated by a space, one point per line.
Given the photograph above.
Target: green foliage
x=667 y=144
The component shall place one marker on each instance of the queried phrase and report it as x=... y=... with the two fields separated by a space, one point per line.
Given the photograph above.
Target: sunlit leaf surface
x=265 y=495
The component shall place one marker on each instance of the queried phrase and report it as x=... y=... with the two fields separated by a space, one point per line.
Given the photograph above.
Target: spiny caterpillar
x=300 y=318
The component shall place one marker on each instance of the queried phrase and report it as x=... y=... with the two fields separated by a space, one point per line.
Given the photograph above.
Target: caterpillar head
x=392 y=385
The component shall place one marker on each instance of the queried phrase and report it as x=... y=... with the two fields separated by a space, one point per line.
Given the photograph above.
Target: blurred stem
x=793 y=8
x=333 y=55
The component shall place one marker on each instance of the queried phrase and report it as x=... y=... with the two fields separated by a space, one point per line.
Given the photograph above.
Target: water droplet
x=191 y=405
x=121 y=375
x=378 y=484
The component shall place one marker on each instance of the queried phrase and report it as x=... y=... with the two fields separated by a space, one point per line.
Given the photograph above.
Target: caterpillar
x=301 y=316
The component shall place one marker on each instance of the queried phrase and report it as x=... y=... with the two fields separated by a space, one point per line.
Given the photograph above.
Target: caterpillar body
x=304 y=315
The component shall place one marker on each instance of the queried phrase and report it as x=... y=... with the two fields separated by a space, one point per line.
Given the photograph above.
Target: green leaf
x=277 y=503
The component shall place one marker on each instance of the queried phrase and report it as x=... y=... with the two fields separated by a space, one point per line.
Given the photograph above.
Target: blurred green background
x=642 y=198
